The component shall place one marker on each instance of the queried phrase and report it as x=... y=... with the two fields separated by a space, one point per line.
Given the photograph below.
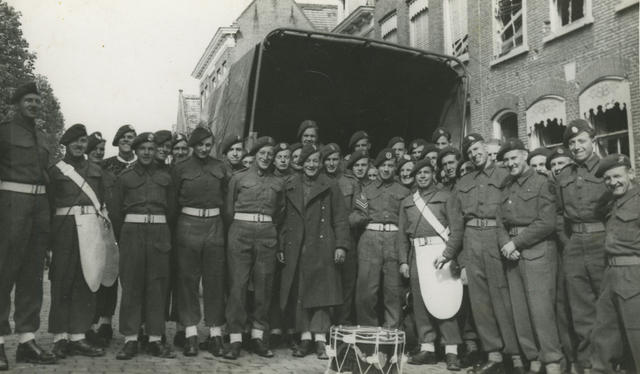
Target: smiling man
x=308 y=132
x=125 y=157
x=232 y=151
x=95 y=147
x=163 y=150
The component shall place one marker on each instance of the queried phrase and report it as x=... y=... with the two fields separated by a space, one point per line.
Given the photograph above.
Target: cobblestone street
x=205 y=363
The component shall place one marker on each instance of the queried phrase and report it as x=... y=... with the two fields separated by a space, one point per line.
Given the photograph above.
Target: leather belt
x=204 y=213
x=76 y=210
x=516 y=230
x=587 y=227
x=623 y=260
x=31 y=189
x=145 y=218
x=252 y=217
x=382 y=227
x=428 y=240
x=481 y=222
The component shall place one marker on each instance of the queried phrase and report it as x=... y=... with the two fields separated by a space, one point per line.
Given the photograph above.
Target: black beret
x=307 y=151
x=295 y=146
x=448 y=151
x=541 y=151
x=384 y=155
x=395 y=140
x=440 y=132
x=405 y=158
x=355 y=157
x=574 y=128
x=262 y=141
x=282 y=147
x=356 y=137
x=558 y=152
x=510 y=144
x=145 y=137
x=230 y=141
x=612 y=161
x=417 y=143
x=428 y=148
x=469 y=140
x=419 y=165
x=162 y=136
x=73 y=133
x=177 y=138
x=94 y=139
x=330 y=149
x=120 y=133
x=25 y=89
x=307 y=124
x=199 y=134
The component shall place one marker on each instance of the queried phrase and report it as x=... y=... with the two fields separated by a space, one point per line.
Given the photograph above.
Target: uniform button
x=321 y=219
x=509 y=201
x=321 y=236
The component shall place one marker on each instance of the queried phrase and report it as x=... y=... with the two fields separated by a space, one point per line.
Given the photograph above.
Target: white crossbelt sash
x=99 y=254
x=441 y=292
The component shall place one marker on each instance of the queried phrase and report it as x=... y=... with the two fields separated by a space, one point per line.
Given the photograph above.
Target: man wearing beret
x=179 y=148
x=162 y=139
x=398 y=146
x=537 y=159
x=582 y=195
x=475 y=200
x=558 y=159
x=143 y=212
x=358 y=164
x=282 y=161
x=359 y=141
x=376 y=210
x=448 y=160
x=441 y=138
x=416 y=148
x=95 y=147
x=72 y=301
x=404 y=171
x=617 y=308
x=430 y=153
x=254 y=205
x=526 y=224
x=232 y=151
x=125 y=157
x=308 y=132
x=24 y=217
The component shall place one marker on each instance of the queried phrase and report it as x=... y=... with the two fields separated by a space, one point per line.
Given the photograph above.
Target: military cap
x=440 y=132
x=428 y=148
x=419 y=165
x=73 y=133
x=612 y=161
x=120 y=133
x=162 y=136
x=558 y=152
x=229 y=142
x=295 y=146
x=94 y=139
x=510 y=144
x=145 y=137
x=330 y=149
x=307 y=150
x=282 y=147
x=199 y=134
x=177 y=138
x=395 y=140
x=355 y=157
x=356 y=137
x=417 y=143
x=448 y=151
x=384 y=155
x=403 y=160
x=307 y=124
x=261 y=142
x=469 y=140
x=540 y=151
x=25 y=89
x=575 y=127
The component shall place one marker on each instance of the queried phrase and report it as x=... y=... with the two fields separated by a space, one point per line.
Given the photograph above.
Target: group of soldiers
x=285 y=240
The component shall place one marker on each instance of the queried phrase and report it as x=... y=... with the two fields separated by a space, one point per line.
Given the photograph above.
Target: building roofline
x=356 y=14
x=216 y=41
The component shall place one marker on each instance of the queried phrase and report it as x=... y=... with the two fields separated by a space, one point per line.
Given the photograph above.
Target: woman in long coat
x=314 y=238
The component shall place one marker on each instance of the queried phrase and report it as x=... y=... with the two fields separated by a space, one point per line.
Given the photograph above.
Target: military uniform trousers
x=428 y=326
x=277 y=318
x=72 y=302
x=489 y=291
x=345 y=313
x=532 y=286
x=144 y=277
x=584 y=263
x=24 y=220
x=563 y=315
x=378 y=262
x=200 y=252
x=465 y=317
x=618 y=317
x=315 y=320
x=251 y=257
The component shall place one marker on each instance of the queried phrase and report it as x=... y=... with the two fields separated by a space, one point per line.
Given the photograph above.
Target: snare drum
x=365 y=349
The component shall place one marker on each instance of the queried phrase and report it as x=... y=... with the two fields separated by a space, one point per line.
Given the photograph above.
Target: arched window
x=505 y=125
x=546 y=119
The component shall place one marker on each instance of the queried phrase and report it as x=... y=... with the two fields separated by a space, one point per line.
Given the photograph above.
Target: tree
x=51 y=119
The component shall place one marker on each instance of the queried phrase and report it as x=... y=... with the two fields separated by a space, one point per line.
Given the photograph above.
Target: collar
x=26 y=123
x=590 y=162
x=141 y=169
x=74 y=161
x=522 y=178
x=430 y=190
x=633 y=191
x=128 y=163
x=487 y=170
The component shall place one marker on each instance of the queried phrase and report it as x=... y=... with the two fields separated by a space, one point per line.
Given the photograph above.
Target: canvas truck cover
x=345 y=84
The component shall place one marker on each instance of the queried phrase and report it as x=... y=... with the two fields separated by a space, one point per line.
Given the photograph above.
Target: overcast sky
x=112 y=62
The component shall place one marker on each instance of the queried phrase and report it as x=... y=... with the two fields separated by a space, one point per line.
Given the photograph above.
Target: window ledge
x=624 y=4
x=515 y=52
x=564 y=30
x=464 y=58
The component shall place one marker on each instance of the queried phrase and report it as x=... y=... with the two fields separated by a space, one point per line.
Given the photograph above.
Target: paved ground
x=282 y=363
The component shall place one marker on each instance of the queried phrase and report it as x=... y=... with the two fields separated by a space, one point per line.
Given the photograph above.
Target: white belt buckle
x=202 y=213
x=34 y=189
x=84 y=209
x=148 y=218
x=258 y=218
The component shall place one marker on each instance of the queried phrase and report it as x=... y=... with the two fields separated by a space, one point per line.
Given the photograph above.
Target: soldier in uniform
x=232 y=150
x=414 y=228
x=143 y=211
x=465 y=168
x=447 y=161
x=581 y=197
x=308 y=132
x=125 y=157
x=617 y=308
x=359 y=164
x=526 y=225
x=179 y=148
x=72 y=302
x=372 y=173
x=254 y=206
x=398 y=146
x=493 y=147
x=404 y=171
x=295 y=149
x=201 y=185
x=162 y=139
x=24 y=217
x=538 y=159
x=376 y=210
x=474 y=226
x=441 y=138
x=359 y=141
x=247 y=160
x=558 y=159
x=95 y=147
x=282 y=160
x=416 y=149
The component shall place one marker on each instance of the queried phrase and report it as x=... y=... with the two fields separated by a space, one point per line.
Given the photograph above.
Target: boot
x=83 y=348
x=303 y=349
x=321 y=351
x=191 y=346
x=234 y=351
x=128 y=351
x=260 y=348
x=60 y=349
x=31 y=353
x=157 y=349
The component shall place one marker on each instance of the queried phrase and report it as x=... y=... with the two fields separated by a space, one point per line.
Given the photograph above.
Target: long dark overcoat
x=319 y=227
